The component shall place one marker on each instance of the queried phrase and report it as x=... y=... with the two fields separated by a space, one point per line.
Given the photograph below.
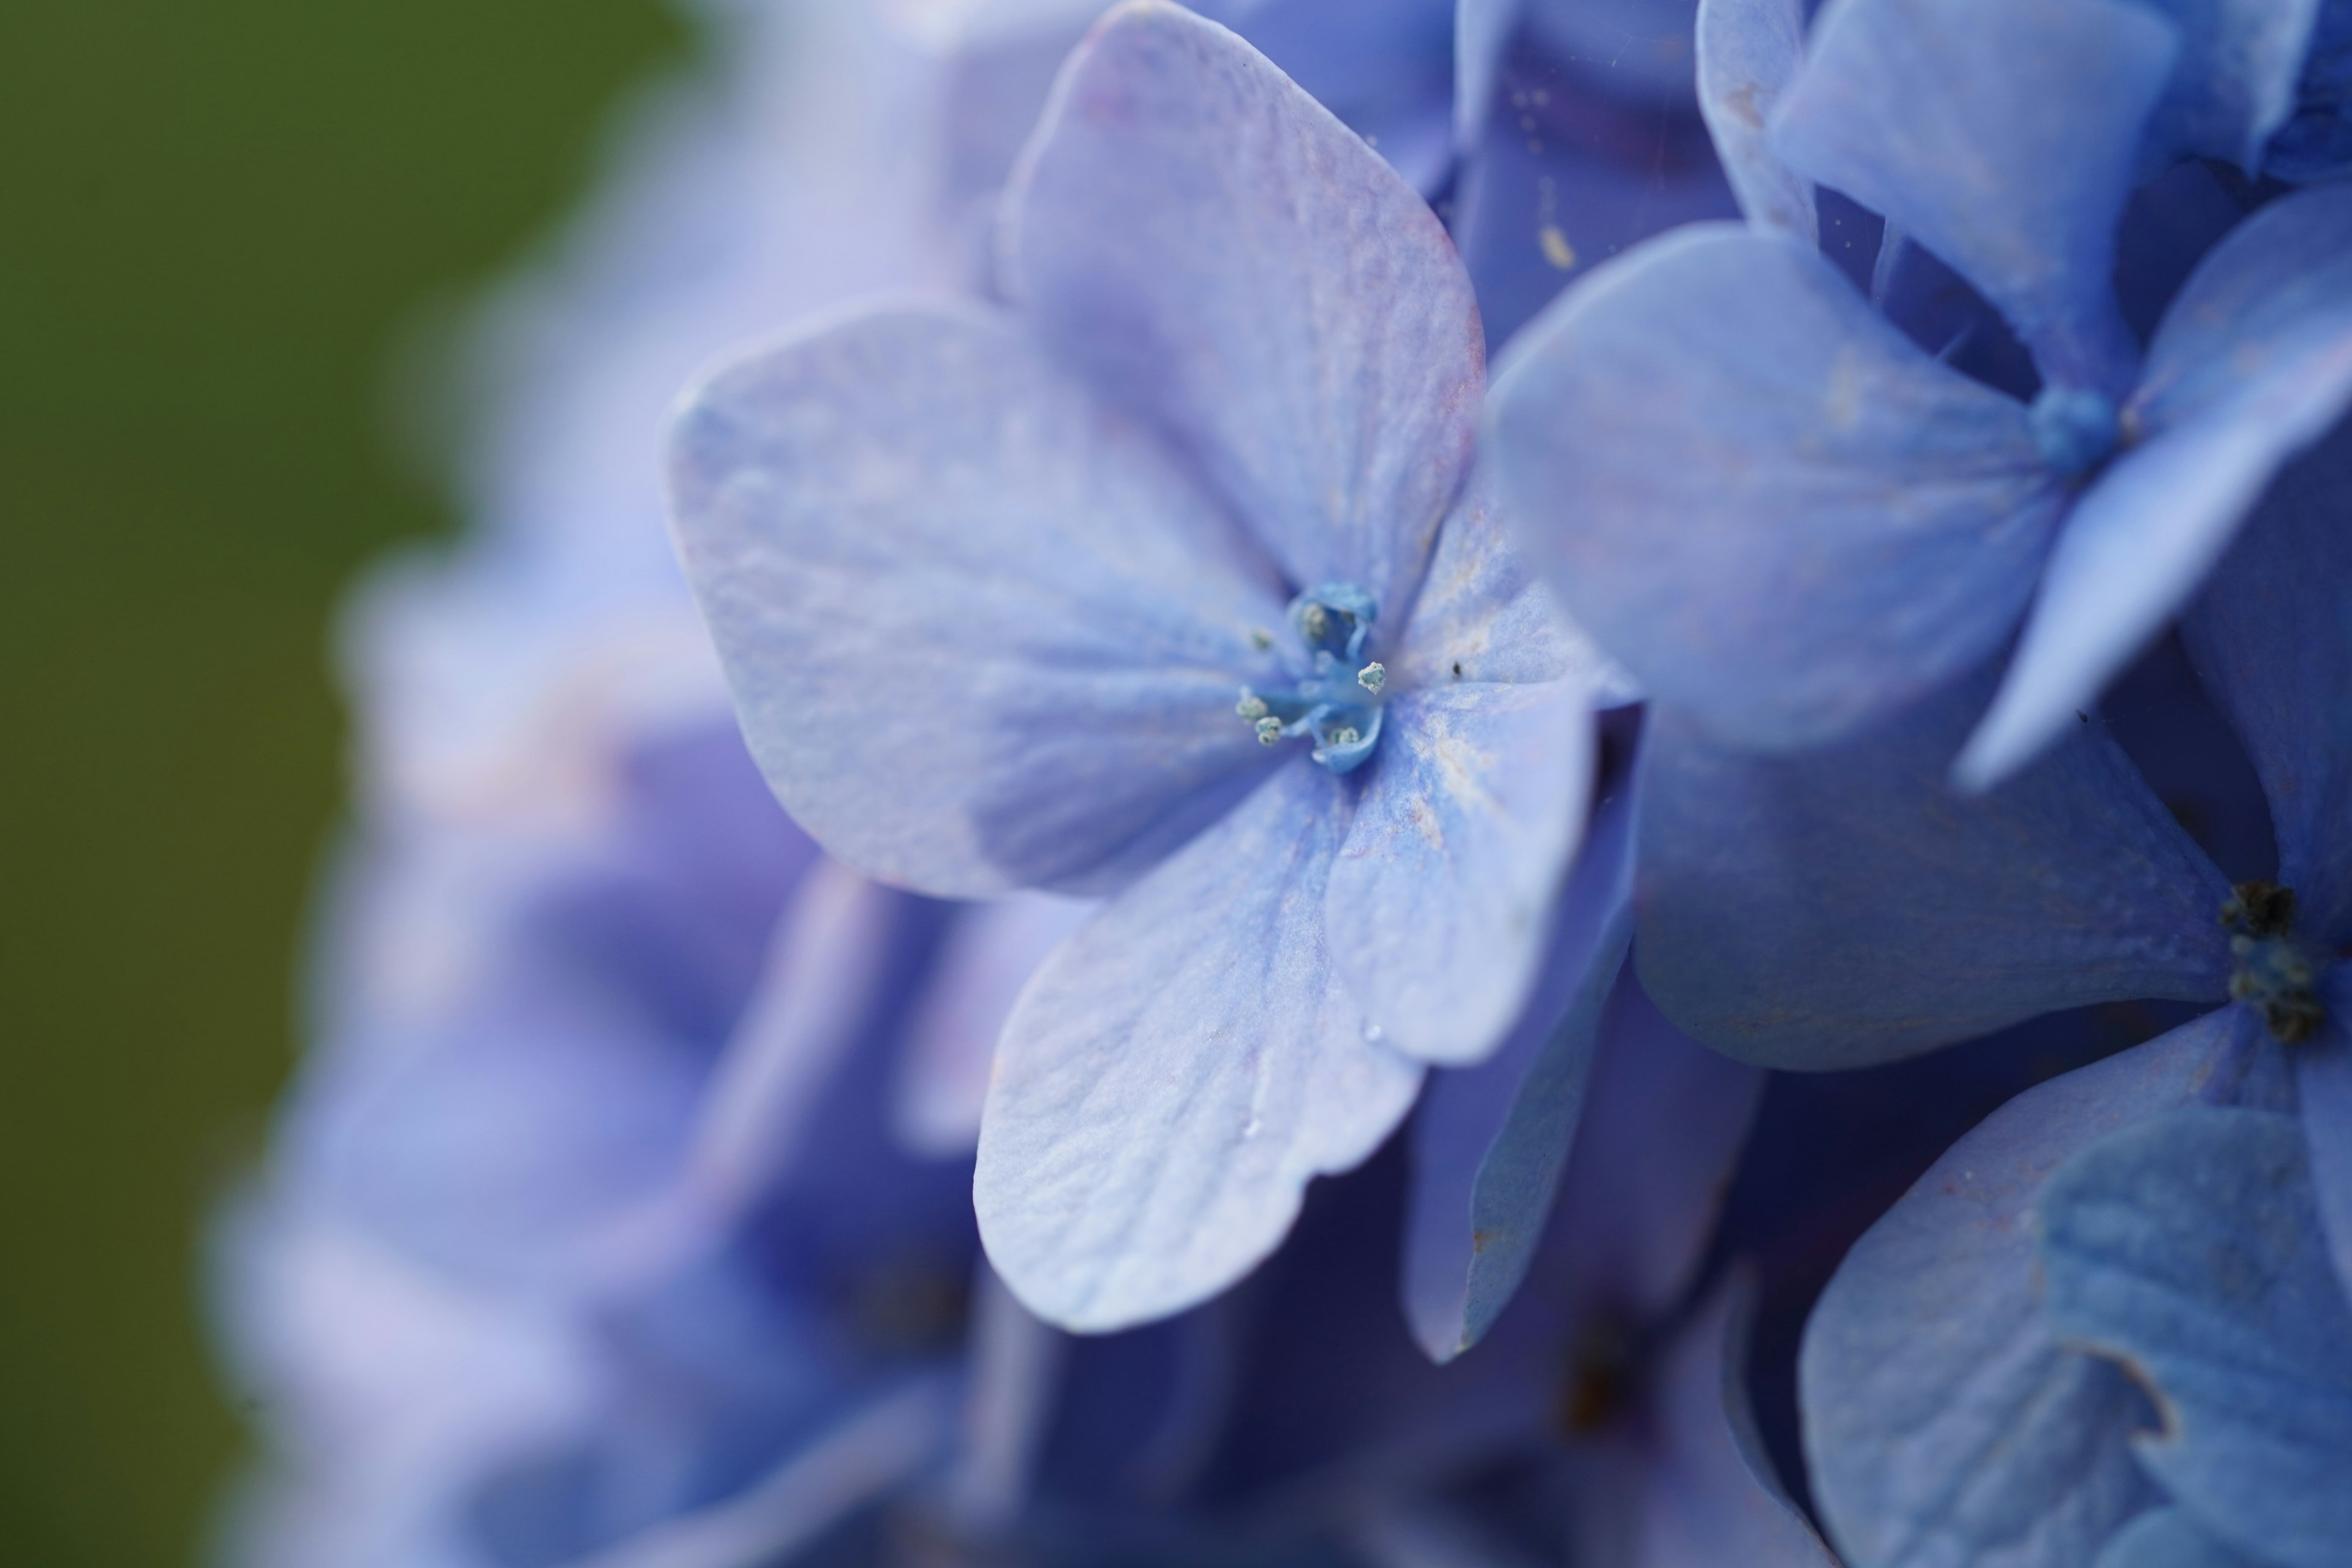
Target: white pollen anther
x=1269 y=730
x=1316 y=621
x=1372 y=677
x=1252 y=706
x=1260 y=639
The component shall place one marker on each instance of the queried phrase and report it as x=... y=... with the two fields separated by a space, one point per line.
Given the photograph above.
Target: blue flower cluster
x=1723 y=950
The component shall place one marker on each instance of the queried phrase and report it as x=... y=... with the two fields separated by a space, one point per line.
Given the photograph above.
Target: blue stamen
x=2077 y=429
x=1336 y=703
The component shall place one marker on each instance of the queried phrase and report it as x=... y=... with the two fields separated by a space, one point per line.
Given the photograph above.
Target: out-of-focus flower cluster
x=1191 y=936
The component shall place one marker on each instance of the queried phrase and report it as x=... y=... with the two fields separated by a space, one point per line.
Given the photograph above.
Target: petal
x=1943 y=1423
x=980 y=635
x=1220 y=256
x=1775 y=509
x=1748 y=53
x=2252 y=363
x=988 y=955
x=1440 y=900
x=1844 y=907
x=1490 y=1141
x=2167 y=1538
x=2316 y=144
x=2235 y=83
x=1711 y=1498
x=2001 y=134
x=2188 y=1249
x=2272 y=639
x=1481 y=37
x=1178 y=1071
x=1483 y=615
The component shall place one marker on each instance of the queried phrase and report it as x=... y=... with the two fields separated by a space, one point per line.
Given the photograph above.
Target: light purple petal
x=2272 y=639
x=1781 y=515
x=980 y=635
x=1441 y=898
x=2001 y=134
x=987 y=956
x=1844 y=907
x=1179 y=1070
x=1943 y=1423
x=1749 y=51
x=1710 y=1498
x=2252 y=363
x=2235 y=83
x=1489 y=1142
x=2186 y=1248
x=1223 y=257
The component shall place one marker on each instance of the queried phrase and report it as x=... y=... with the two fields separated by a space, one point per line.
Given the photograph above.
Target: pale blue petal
x=2252 y=363
x=2167 y=1538
x=980 y=635
x=1782 y=516
x=2271 y=639
x=1747 y=52
x=1441 y=898
x=2002 y=135
x=1844 y=907
x=1484 y=614
x=1223 y=257
x=2236 y=79
x=1482 y=36
x=1489 y=1142
x=1711 y=1498
x=1179 y=1070
x=2187 y=1249
x=1944 y=1425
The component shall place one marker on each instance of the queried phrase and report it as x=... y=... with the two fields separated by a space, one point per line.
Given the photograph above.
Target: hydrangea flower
x=1840 y=908
x=1169 y=582
x=1806 y=523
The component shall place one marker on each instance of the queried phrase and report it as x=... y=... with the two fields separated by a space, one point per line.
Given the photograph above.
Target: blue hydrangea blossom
x=1840 y=908
x=1806 y=523
x=1141 y=587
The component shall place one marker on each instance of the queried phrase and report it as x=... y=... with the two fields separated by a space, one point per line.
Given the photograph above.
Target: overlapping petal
x=1713 y=1498
x=2253 y=363
x=2187 y=1249
x=1224 y=258
x=1774 y=509
x=2167 y=1538
x=2271 y=638
x=2323 y=1077
x=1167 y=1084
x=2235 y=80
x=980 y=633
x=1945 y=1424
x=1841 y=907
x=1490 y=1141
x=1748 y=52
x=2001 y=134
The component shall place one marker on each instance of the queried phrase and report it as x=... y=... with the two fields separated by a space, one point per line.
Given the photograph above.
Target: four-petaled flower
x=1169 y=581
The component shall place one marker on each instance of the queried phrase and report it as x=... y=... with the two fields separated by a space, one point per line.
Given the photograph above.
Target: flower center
x=2077 y=429
x=1336 y=703
x=2275 y=976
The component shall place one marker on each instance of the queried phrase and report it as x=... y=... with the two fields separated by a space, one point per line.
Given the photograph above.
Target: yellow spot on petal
x=1556 y=248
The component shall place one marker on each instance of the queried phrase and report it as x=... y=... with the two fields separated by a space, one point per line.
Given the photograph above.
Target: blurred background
x=223 y=223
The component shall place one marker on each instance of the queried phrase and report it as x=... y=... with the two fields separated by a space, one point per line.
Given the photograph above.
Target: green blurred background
x=216 y=219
